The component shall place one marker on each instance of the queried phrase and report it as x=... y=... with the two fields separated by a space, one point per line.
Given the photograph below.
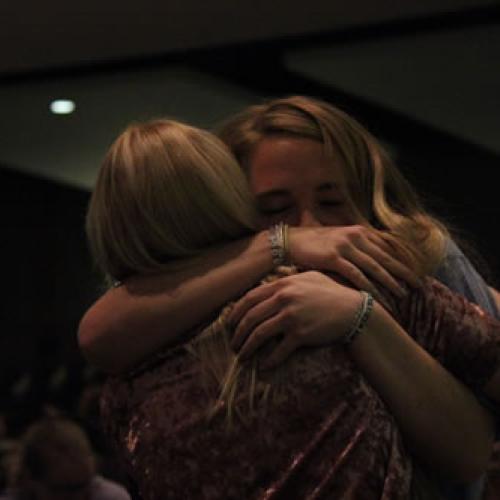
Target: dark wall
x=457 y=182
x=48 y=281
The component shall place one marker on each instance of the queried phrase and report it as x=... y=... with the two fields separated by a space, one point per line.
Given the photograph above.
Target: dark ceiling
x=429 y=64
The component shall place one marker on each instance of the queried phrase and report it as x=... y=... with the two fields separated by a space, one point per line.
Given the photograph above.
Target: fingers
x=355 y=276
x=249 y=300
x=361 y=254
x=365 y=256
x=268 y=329
x=379 y=269
x=260 y=317
x=382 y=252
x=252 y=310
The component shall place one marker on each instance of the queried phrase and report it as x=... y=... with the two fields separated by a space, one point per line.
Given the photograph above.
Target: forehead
x=285 y=163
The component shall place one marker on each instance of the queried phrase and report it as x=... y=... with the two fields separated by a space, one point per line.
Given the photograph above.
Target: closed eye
x=274 y=210
x=331 y=203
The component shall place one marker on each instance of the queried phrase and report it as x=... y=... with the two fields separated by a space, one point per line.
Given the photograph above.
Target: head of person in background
x=309 y=163
x=165 y=191
x=55 y=461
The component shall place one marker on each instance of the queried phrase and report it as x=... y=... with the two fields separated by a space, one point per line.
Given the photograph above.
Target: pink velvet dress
x=325 y=434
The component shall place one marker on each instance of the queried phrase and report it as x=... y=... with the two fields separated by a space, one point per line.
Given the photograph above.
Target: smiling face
x=295 y=182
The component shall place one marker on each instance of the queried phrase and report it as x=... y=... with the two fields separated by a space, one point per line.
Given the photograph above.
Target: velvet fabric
x=321 y=433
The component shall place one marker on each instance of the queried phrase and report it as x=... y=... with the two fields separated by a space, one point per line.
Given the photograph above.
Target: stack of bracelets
x=278 y=237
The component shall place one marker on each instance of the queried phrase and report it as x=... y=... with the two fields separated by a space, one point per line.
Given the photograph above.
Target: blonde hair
x=377 y=189
x=240 y=391
x=165 y=191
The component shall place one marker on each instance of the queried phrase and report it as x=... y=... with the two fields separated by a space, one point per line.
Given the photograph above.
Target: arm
x=443 y=423
x=459 y=275
x=148 y=313
x=439 y=416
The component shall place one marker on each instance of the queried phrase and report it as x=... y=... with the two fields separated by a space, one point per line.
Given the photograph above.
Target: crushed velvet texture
x=326 y=434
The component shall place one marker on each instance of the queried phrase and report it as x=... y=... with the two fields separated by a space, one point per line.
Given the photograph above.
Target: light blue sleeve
x=460 y=276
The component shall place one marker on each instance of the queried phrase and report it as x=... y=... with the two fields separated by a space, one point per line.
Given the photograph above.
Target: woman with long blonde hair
x=153 y=158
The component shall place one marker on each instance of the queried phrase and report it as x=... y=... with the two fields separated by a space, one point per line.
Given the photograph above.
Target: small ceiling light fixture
x=62 y=106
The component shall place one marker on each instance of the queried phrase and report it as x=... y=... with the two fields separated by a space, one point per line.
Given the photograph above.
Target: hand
x=357 y=253
x=307 y=309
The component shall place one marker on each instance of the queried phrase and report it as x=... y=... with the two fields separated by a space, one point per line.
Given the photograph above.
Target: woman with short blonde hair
x=154 y=201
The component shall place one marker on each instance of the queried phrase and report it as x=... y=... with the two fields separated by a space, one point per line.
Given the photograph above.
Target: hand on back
x=311 y=309
x=306 y=309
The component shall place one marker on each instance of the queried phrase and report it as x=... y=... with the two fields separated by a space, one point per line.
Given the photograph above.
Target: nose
x=307 y=218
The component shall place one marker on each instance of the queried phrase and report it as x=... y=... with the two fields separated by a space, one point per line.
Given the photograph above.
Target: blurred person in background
x=55 y=461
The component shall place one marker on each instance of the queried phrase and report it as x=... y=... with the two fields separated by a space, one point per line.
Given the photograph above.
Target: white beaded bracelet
x=360 y=320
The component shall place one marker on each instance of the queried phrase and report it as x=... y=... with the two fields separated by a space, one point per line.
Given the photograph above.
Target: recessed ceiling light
x=62 y=106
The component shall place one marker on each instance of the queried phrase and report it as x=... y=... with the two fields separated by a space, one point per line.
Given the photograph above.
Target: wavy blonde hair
x=165 y=191
x=378 y=190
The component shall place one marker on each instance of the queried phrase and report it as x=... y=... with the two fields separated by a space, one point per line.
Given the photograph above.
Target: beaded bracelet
x=360 y=320
x=278 y=238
